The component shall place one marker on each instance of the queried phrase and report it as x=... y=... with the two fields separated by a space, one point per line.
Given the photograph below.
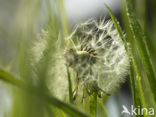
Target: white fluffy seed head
x=98 y=54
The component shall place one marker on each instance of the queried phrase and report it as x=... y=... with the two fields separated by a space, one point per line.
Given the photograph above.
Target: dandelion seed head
x=99 y=54
x=98 y=57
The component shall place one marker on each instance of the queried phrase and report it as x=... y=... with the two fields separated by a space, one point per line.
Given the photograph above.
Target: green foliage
x=31 y=95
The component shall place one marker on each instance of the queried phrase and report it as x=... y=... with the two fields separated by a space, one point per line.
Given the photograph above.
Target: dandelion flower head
x=98 y=54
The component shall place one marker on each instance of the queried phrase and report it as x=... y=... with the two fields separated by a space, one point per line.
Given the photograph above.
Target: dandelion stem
x=70 y=87
x=93 y=104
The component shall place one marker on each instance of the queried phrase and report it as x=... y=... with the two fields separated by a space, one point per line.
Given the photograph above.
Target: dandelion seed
x=98 y=56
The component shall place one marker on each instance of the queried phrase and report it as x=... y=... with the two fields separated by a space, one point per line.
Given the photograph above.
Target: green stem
x=85 y=100
x=70 y=87
x=93 y=104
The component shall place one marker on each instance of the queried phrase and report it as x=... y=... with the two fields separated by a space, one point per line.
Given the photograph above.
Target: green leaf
x=64 y=21
x=140 y=39
x=136 y=99
x=139 y=89
x=117 y=26
x=9 y=78
x=5 y=76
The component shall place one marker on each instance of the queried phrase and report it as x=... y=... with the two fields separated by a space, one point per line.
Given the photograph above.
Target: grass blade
x=5 y=76
x=115 y=23
x=141 y=45
x=139 y=88
x=9 y=78
x=118 y=28
x=136 y=99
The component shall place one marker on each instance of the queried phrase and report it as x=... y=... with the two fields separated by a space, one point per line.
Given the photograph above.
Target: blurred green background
x=22 y=20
